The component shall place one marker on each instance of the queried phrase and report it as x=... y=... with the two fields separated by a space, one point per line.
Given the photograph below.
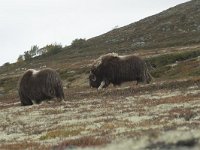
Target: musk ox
x=36 y=86
x=115 y=69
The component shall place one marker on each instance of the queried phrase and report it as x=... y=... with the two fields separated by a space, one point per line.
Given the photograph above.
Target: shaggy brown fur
x=111 y=68
x=39 y=86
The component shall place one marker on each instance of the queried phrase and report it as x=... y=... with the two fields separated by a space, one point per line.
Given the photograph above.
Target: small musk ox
x=36 y=86
x=115 y=69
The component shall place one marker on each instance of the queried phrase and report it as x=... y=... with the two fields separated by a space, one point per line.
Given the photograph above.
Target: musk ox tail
x=147 y=76
x=59 y=90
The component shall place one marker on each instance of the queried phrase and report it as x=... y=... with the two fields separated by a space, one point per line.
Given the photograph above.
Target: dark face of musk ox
x=94 y=80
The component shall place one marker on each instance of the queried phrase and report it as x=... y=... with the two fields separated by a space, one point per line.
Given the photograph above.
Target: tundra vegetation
x=161 y=115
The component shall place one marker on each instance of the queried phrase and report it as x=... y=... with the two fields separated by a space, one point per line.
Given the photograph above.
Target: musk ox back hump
x=40 y=85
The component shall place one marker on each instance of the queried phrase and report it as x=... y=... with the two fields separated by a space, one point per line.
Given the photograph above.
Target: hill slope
x=172 y=31
x=179 y=25
x=161 y=115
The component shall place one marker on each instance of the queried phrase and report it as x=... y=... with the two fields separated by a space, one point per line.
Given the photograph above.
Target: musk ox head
x=36 y=86
x=98 y=69
x=94 y=80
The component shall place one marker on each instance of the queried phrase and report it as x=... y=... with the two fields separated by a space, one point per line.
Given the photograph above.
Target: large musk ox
x=115 y=69
x=36 y=86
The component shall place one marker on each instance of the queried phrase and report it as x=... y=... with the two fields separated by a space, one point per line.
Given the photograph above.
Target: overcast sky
x=24 y=23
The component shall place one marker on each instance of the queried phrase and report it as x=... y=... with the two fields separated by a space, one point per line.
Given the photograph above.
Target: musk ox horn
x=36 y=86
x=93 y=77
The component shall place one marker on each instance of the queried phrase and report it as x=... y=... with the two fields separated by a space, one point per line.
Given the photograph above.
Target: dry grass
x=90 y=118
x=142 y=114
x=88 y=141
x=24 y=145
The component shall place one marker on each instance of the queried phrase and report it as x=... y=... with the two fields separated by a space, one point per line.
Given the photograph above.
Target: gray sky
x=24 y=23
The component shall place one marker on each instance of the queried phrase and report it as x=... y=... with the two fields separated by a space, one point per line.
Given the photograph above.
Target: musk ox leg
x=103 y=84
x=59 y=93
x=25 y=101
x=37 y=101
x=139 y=80
x=147 y=77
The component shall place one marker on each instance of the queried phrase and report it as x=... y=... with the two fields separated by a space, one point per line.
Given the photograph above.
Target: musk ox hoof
x=63 y=101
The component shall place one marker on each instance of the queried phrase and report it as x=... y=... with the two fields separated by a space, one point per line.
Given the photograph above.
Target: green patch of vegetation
x=85 y=141
x=71 y=75
x=166 y=66
x=67 y=73
x=163 y=60
x=83 y=70
x=24 y=145
x=70 y=79
x=79 y=43
x=160 y=71
x=195 y=73
x=53 y=49
x=9 y=83
x=61 y=133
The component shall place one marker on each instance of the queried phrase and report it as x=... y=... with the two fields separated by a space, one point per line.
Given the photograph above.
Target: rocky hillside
x=179 y=25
